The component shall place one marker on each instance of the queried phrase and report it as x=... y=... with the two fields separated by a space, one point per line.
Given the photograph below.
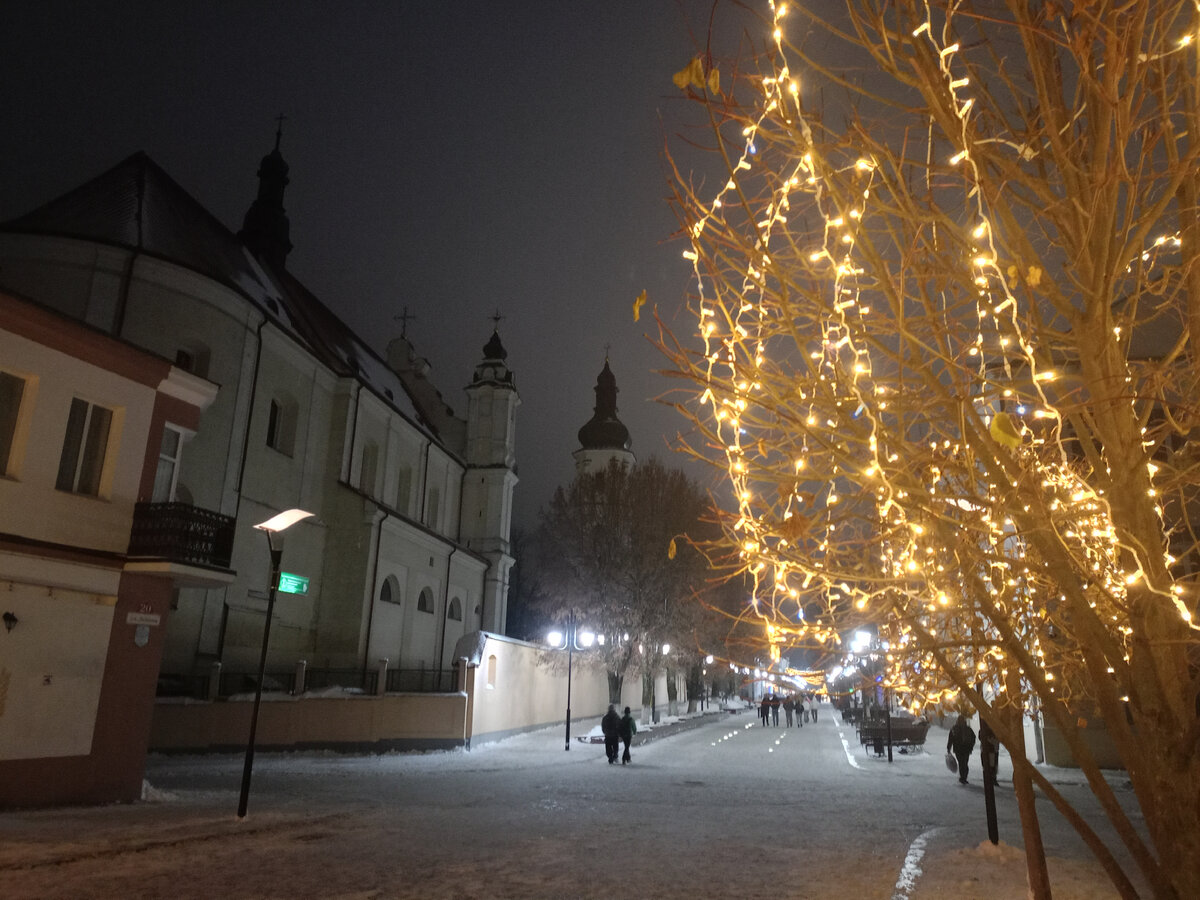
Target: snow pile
x=151 y=794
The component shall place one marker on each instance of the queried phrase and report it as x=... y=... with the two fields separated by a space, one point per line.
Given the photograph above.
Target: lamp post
x=573 y=640
x=272 y=527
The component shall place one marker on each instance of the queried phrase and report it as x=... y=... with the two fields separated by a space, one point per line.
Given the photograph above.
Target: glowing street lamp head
x=556 y=639
x=586 y=638
x=284 y=520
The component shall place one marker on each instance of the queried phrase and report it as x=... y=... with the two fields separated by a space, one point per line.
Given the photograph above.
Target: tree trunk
x=616 y=680
x=1031 y=827
x=647 y=697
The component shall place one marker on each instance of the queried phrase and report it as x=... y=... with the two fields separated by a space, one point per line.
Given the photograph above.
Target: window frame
x=10 y=425
x=175 y=462
x=84 y=457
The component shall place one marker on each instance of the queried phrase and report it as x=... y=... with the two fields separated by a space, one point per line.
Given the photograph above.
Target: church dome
x=604 y=431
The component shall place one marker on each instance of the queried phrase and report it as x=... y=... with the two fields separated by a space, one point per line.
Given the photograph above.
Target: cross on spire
x=607 y=347
x=496 y=319
x=404 y=319
x=279 y=120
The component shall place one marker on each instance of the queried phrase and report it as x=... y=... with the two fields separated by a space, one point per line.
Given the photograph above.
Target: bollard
x=298 y=681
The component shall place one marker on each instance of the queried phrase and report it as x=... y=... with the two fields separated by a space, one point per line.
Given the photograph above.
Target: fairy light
x=914 y=590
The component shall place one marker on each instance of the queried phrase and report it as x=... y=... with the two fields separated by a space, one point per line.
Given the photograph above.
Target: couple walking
x=617 y=729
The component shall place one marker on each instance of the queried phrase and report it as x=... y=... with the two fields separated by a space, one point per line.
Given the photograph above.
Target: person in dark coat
x=775 y=702
x=611 y=726
x=788 y=705
x=961 y=742
x=764 y=711
x=627 y=730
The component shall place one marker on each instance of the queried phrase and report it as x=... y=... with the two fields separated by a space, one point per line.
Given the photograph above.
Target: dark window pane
x=12 y=389
x=72 y=443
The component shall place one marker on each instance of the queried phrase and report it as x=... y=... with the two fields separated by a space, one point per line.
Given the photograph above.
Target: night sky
x=454 y=158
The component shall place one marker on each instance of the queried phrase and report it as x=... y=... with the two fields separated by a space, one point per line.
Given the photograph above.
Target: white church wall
x=171 y=309
x=62 y=273
x=520 y=686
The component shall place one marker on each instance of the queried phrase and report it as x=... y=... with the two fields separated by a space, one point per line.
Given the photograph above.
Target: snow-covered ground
x=726 y=809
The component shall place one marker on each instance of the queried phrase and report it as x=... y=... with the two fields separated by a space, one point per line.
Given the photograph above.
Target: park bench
x=906 y=732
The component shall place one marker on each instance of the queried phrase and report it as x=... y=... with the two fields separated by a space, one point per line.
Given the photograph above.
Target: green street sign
x=293 y=584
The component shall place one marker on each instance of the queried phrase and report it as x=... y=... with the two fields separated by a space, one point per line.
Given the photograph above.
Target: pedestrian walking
x=814 y=704
x=800 y=711
x=775 y=703
x=960 y=742
x=788 y=706
x=611 y=726
x=628 y=730
x=764 y=711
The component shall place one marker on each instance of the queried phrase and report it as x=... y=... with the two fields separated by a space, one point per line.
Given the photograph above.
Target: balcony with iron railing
x=181 y=533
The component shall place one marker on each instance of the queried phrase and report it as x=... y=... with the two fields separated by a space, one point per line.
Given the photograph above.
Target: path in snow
x=721 y=810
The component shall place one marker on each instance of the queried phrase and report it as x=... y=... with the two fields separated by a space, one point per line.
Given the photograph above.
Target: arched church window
x=491 y=671
x=425 y=601
x=390 y=592
x=455 y=612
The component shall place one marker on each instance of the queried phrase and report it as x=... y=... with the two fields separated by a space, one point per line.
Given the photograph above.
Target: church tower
x=492 y=402
x=604 y=437
x=265 y=229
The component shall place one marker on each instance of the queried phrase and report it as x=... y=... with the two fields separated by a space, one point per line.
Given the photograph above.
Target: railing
x=181 y=533
x=354 y=679
x=420 y=681
x=411 y=681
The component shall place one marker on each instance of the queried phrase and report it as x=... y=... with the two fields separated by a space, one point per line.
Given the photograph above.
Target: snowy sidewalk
x=521 y=819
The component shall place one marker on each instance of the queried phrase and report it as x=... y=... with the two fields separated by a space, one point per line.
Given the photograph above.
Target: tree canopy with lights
x=945 y=280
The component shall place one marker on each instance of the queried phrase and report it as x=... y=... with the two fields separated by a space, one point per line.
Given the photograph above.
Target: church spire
x=265 y=228
x=604 y=437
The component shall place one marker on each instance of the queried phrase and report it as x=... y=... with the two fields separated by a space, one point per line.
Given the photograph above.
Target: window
x=82 y=463
x=491 y=671
x=455 y=612
x=390 y=592
x=193 y=358
x=433 y=508
x=425 y=601
x=167 y=474
x=368 y=467
x=478 y=616
x=12 y=389
x=403 y=487
x=281 y=425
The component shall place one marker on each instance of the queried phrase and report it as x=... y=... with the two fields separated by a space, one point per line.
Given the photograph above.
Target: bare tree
x=615 y=548
x=946 y=358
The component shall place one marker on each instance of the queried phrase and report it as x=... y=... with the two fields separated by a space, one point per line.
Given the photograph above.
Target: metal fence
x=419 y=680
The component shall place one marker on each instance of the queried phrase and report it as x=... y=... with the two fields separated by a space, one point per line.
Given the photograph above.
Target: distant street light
x=572 y=640
x=272 y=527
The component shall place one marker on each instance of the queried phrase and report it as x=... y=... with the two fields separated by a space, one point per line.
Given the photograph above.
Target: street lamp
x=572 y=640
x=272 y=527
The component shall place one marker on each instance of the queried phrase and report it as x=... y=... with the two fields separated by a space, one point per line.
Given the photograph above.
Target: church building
x=408 y=547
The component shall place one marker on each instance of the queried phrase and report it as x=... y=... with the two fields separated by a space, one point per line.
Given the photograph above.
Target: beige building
x=91 y=431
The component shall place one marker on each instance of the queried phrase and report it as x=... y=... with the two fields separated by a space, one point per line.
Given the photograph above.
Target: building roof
x=136 y=205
